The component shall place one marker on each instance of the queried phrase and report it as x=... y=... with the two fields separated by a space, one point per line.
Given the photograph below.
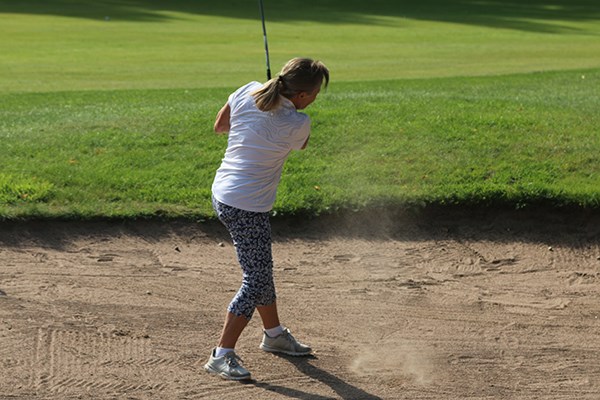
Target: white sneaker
x=284 y=343
x=227 y=367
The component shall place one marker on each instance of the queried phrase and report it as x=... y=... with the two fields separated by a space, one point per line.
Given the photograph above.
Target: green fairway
x=141 y=44
x=107 y=107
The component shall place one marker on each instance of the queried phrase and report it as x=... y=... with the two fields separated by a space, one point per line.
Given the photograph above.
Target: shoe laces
x=232 y=360
x=288 y=337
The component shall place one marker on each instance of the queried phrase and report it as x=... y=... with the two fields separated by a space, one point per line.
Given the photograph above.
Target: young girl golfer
x=264 y=126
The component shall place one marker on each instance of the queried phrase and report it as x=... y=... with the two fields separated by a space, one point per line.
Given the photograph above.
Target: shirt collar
x=287 y=103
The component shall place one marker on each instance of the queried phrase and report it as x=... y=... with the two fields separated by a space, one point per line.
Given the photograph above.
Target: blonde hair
x=297 y=75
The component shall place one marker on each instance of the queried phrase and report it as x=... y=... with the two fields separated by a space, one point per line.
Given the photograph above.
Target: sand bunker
x=491 y=306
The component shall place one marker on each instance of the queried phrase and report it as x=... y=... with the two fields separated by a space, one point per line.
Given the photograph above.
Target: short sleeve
x=300 y=135
x=240 y=93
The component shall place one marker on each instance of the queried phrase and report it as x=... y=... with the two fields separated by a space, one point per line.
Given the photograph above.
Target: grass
x=513 y=140
x=113 y=153
x=63 y=45
x=107 y=106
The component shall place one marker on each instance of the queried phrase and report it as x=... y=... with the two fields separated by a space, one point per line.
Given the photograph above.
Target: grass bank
x=106 y=107
x=512 y=140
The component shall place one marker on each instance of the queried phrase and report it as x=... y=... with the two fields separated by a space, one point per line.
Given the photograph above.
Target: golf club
x=262 y=15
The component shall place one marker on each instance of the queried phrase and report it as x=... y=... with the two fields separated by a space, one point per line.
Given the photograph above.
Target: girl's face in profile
x=304 y=99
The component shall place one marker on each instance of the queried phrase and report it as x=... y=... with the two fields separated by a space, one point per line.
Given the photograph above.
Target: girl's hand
x=222 y=122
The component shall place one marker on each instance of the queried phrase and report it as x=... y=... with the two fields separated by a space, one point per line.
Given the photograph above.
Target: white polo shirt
x=258 y=145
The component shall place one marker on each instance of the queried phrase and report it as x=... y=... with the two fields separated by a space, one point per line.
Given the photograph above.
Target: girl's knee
x=242 y=309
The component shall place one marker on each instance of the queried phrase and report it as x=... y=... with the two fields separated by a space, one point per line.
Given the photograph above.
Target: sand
x=447 y=305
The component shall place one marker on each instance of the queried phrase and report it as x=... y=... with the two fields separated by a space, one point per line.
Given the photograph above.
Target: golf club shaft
x=262 y=15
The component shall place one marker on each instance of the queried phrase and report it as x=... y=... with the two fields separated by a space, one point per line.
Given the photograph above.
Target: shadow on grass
x=534 y=15
x=342 y=388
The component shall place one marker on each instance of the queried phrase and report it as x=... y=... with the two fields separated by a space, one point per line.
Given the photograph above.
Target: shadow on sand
x=342 y=388
x=503 y=225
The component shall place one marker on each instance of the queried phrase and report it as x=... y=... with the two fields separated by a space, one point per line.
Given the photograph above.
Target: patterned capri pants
x=251 y=235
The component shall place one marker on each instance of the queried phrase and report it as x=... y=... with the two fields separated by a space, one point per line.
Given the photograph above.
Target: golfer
x=264 y=126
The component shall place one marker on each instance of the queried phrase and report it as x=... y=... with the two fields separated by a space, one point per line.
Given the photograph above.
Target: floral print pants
x=251 y=235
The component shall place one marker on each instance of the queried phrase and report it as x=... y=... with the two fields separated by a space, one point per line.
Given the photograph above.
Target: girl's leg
x=251 y=235
x=269 y=316
x=234 y=325
x=232 y=329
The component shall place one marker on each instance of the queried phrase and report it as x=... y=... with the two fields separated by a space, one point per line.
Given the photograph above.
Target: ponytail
x=298 y=75
x=267 y=97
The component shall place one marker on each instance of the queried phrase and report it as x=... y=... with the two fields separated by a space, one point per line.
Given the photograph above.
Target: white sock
x=274 y=332
x=221 y=351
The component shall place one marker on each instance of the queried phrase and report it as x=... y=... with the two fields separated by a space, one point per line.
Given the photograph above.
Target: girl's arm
x=222 y=121
x=305 y=143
